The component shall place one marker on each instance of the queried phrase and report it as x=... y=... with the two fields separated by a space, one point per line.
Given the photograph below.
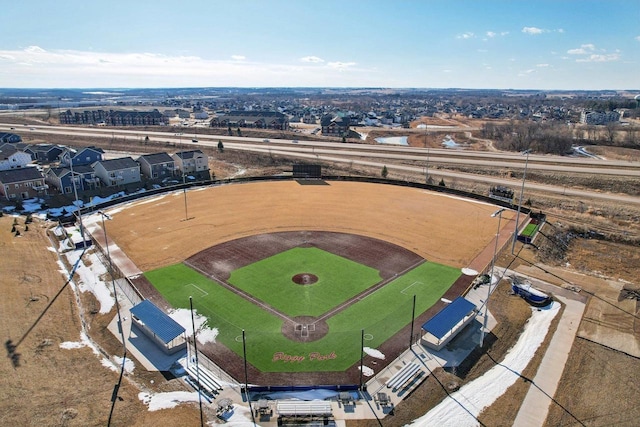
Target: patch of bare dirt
x=599 y=387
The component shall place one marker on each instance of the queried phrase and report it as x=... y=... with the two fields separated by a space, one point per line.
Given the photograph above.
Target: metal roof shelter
x=158 y=326
x=446 y=324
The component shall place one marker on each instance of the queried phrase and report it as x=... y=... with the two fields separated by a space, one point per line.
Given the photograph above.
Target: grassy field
x=338 y=280
x=381 y=315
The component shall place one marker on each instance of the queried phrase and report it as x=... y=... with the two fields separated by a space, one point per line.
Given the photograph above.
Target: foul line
x=204 y=293
x=409 y=287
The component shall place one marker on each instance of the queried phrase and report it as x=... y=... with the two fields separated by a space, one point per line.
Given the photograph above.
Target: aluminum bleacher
x=400 y=378
x=206 y=379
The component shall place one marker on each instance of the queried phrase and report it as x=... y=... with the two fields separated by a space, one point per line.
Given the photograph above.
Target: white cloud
x=582 y=50
x=600 y=58
x=464 y=36
x=533 y=30
x=492 y=34
x=312 y=59
x=536 y=31
x=588 y=53
x=542 y=65
x=37 y=67
x=637 y=38
x=341 y=65
x=34 y=49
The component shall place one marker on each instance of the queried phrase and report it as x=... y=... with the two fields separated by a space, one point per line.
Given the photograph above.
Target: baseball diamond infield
x=392 y=229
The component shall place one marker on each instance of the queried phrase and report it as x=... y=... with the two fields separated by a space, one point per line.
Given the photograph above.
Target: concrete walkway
x=536 y=404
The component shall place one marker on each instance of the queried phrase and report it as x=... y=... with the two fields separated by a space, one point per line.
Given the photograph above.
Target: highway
x=397 y=158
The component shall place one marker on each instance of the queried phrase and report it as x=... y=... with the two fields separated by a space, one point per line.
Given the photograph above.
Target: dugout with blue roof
x=157 y=325
x=447 y=323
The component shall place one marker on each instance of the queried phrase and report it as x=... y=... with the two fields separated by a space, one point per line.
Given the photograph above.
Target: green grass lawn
x=381 y=315
x=529 y=230
x=270 y=280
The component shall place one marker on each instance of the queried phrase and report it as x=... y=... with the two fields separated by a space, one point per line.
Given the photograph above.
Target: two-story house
x=12 y=158
x=191 y=162
x=63 y=179
x=44 y=153
x=116 y=172
x=335 y=125
x=23 y=183
x=157 y=166
x=84 y=156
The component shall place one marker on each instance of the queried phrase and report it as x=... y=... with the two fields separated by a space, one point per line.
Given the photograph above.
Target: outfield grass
x=270 y=280
x=381 y=315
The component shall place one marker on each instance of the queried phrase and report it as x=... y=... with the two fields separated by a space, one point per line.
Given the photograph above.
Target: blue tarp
x=156 y=321
x=440 y=324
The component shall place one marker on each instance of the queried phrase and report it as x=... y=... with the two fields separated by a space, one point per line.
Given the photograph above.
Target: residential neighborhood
x=47 y=170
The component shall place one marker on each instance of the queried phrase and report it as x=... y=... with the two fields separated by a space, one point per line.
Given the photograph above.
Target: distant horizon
x=101 y=89
x=547 y=45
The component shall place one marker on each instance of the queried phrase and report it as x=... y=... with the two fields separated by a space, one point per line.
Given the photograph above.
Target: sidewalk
x=539 y=398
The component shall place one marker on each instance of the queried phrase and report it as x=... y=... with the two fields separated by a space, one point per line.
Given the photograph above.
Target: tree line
x=558 y=138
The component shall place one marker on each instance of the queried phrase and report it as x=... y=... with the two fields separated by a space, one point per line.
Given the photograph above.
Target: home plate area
x=305 y=329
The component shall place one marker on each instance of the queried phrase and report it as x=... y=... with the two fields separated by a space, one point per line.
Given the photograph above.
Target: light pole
x=426 y=169
x=114 y=394
x=184 y=191
x=498 y=214
x=113 y=281
x=524 y=176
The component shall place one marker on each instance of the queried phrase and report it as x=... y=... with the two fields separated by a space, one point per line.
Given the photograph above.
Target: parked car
x=265 y=140
x=194 y=140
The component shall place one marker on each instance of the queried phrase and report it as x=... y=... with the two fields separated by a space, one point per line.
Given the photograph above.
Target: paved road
x=399 y=159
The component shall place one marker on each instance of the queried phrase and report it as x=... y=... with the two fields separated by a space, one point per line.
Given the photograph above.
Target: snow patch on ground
x=129 y=366
x=204 y=333
x=89 y=271
x=374 y=353
x=463 y=407
x=241 y=417
x=167 y=400
x=84 y=342
x=69 y=345
x=367 y=371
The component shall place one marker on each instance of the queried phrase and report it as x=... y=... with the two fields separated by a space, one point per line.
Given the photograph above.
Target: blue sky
x=541 y=44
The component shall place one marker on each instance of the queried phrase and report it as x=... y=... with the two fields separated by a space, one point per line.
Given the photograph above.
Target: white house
x=12 y=158
x=191 y=161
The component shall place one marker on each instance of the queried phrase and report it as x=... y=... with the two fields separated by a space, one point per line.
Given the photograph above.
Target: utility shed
x=448 y=322
x=157 y=325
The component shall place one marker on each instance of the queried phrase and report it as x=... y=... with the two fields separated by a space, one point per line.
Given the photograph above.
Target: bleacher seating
x=400 y=378
x=207 y=381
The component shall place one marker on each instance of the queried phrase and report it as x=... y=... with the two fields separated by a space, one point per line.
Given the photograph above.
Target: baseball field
x=305 y=269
